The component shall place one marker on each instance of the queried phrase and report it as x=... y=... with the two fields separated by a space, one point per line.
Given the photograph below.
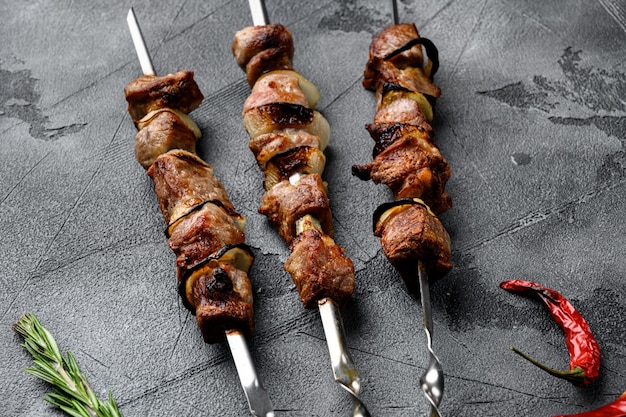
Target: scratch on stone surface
x=180 y=333
x=180 y=9
x=351 y=17
x=437 y=13
x=58 y=233
x=92 y=84
x=305 y=318
x=537 y=217
x=93 y=358
x=528 y=17
x=472 y=160
x=468 y=39
x=616 y=10
x=24 y=177
x=341 y=95
x=325 y=5
x=113 y=247
x=355 y=240
x=187 y=28
x=187 y=373
x=526 y=394
x=365 y=352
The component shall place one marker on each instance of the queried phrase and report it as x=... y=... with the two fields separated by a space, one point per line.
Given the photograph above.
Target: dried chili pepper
x=581 y=344
x=615 y=409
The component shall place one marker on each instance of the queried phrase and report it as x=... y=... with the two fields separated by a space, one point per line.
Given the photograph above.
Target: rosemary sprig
x=72 y=392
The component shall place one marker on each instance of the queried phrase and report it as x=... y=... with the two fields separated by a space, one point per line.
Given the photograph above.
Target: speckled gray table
x=532 y=120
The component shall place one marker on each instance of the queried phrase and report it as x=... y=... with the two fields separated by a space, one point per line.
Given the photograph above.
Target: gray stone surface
x=532 y=121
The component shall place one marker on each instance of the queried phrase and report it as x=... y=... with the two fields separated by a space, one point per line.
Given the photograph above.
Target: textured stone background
x=532 y=121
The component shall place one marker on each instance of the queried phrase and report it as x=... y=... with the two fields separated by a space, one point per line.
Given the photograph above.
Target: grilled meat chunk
x=394 y=37
x=150 y=92
x=164 y=131
x=411 y=78
x=410 y=233
x=276 y=87
x=266 y=146
x=411 y=166
x=403 y=111
x=319 y=269
x=285 y=203
x=386 y=65
x=201 y=233
x=182 y=180
x=221 y=298
x=259 y=49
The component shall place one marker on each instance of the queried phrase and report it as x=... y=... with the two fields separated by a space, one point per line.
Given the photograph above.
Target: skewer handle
x=344 y=370
x=258 y=400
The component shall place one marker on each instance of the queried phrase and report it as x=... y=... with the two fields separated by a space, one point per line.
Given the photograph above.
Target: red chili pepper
x=582 y=345
x=615 y=409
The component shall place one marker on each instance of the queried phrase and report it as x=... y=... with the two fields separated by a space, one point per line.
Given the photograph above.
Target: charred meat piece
x=164 y=131
x=412 y=167
x=411 y=78
x=266 y=146
x=182 y=180
x=386 y=65
x=221 y=298
x=285 y=203
x=203 y=232
x=176 y=91
x=410 y=233
x=391 y=39
x=259 y=49
x=319 y=269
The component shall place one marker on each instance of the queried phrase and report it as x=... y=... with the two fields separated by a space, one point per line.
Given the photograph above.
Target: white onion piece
x=188 y=121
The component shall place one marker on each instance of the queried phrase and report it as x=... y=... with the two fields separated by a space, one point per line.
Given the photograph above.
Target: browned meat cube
x=259 y=49
x=276 y=87
x=404 y=69
x=176 y=91
x=266 y=146
x=285 y=203
x=403 y=111
x=164 y=132
x=393 y=38
x=201 y=233
x=182 y=180
x=411 y=78
x=319 y=269
x=220 y=295
x=411 y=166
x=410 y=233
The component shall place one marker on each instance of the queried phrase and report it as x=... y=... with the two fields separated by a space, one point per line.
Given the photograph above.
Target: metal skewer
x=257 y=397
x=432 y=380
x=345 y=372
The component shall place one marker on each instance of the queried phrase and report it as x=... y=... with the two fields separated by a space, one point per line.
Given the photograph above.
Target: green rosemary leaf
x=72 y=392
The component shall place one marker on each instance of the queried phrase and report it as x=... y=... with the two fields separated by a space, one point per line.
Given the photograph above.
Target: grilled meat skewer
x=165 y=146
x=406 y=158
x=203 y=228
x=288 y=137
